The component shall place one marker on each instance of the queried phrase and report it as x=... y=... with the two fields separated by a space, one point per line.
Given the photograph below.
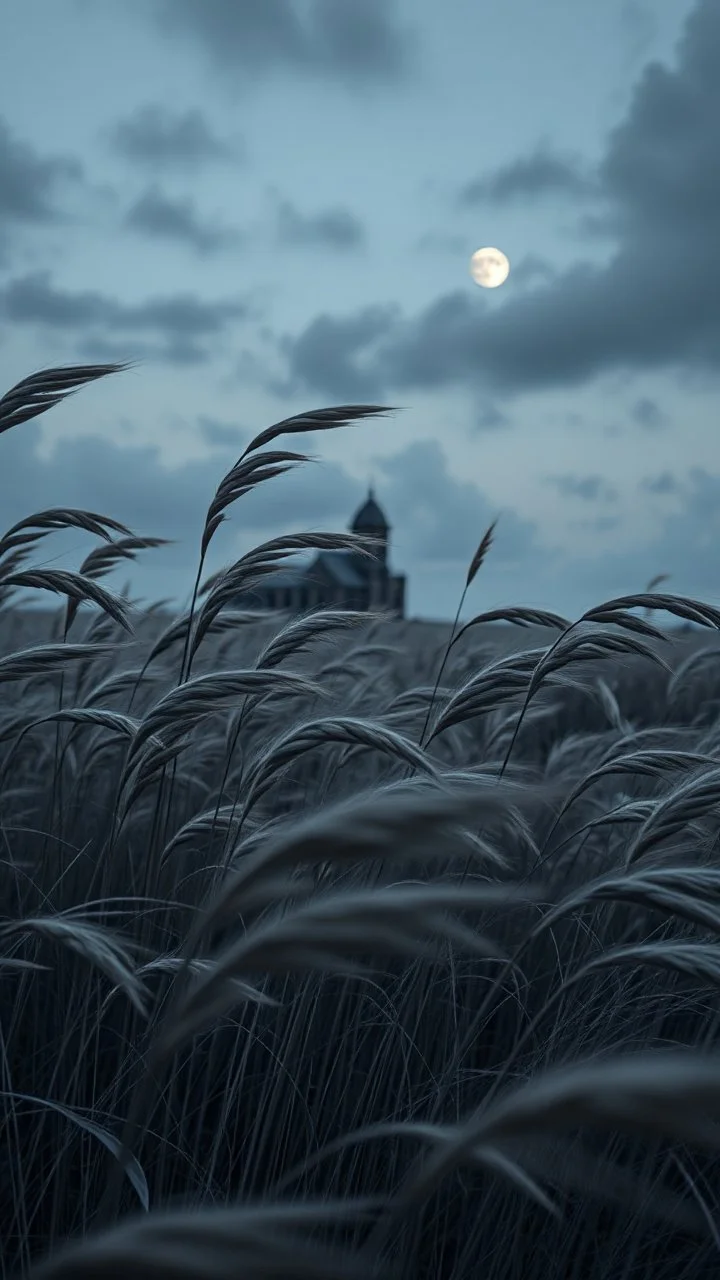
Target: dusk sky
x=271 y=206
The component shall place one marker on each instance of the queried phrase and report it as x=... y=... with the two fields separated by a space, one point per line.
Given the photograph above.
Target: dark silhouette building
x=339 y=579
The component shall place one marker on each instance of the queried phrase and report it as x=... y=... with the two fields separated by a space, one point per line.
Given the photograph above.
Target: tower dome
x=370 y=518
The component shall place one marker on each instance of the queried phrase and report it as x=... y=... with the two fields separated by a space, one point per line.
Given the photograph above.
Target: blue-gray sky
x=271 y=206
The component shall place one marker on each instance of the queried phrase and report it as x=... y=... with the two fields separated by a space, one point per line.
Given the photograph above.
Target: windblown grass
x=357 y=960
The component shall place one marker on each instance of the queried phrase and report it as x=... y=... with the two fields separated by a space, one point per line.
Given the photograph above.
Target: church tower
x=370 y=519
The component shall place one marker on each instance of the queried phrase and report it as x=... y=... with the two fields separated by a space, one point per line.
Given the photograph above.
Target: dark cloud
x=361 y=38
x=654 y=305
x=532 y=267
x=685 y=548
x=182 y=321
x=438 y=521
x=488 y=416
x=157 y=138
x=331 y=356
x=541 y=173
x=600 y=225
x=176 y=351
x=29 y=181
x=163 y=218
x=329 y=229
x=358 y=41
x=648 y=414
x=589 y=488
x=661 y=166
x=443 y=518
x=662 y=484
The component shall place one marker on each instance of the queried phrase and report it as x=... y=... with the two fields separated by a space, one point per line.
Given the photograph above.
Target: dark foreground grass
x=325 y=957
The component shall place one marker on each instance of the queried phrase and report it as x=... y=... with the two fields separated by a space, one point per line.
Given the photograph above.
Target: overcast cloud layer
x=277 y=210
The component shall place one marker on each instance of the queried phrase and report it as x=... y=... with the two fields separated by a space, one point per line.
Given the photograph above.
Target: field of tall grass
x=325 y=955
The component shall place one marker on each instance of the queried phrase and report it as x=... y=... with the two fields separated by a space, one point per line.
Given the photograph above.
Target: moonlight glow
x=489 y=268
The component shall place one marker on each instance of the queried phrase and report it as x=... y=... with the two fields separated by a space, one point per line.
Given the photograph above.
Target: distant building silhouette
x=342 y=579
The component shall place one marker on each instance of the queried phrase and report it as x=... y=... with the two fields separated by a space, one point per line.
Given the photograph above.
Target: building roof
x=281 y=578
x=370 y=515
x=341 y=565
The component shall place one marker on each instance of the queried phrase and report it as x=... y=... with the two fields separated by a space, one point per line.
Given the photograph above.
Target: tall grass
x=351 y=960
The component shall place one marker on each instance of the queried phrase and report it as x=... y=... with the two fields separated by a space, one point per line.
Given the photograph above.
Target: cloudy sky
x=270 y=205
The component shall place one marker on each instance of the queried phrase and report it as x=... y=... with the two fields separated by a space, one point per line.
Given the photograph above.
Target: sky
x=270 y=207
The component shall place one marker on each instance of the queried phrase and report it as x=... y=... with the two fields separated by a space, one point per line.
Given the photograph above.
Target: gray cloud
x=589 y=488
x=330 y=356
x=648 y=414
x=661 y=484
x=329 y=229
x=175 y=351
x=157 y=138
x=130 y=484
x=157 y=215
x=685 y=548
x=29 y=182
x=655 y=304
x=541 y=173
x=443 y=519
x=661 y=166
x=532 y=267
x=488 y=416
x=181 y=321
x=359 y=41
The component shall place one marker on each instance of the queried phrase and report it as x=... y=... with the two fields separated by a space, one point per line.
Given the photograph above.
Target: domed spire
x=370 y=516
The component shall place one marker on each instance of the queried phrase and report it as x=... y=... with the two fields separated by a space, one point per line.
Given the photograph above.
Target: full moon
x=489 y=268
